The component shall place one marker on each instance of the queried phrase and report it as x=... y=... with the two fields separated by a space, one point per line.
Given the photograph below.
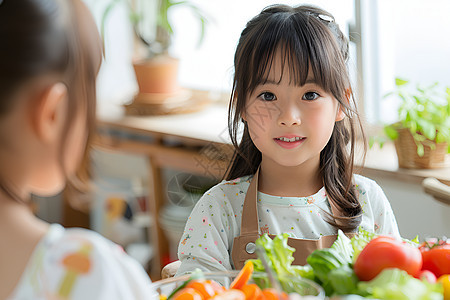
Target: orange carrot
x=230 y=295
x=252 y=292
x=203 y=287
x=272 y=294
x=243 y=276
x=216 y=286
x=187 y=294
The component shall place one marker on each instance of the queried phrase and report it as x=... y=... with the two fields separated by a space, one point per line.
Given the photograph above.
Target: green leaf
x=440 y=138
x=360 y=241
x=371 y=142
x=428 y=129
x=420 y=149
x=418 y=138
x=388 y=94
x=400 y=82
x=323 y=261
x=343 y=280
x=397 y=284
x=280 y=258
x=343 y=245
x=176 y=3
x=391 y=132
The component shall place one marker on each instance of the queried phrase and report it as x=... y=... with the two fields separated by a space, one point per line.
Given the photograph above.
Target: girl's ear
x=340 y=115
x=50 y=112
x=243 y=116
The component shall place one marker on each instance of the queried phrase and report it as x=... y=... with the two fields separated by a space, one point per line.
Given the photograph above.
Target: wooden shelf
x=383 y=162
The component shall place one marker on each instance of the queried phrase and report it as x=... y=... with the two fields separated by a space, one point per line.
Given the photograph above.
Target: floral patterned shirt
x=81 y=264
x=215 y=221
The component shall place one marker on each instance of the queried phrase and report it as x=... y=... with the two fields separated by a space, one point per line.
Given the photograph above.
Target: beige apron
x=244 y=245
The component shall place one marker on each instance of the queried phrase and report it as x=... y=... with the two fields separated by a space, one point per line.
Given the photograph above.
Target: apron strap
x=249 y=219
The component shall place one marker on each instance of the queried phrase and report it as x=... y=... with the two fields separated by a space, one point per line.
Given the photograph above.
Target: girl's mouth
x=289 y=142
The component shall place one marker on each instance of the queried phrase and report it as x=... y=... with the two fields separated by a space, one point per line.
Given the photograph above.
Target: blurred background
x=389 y=39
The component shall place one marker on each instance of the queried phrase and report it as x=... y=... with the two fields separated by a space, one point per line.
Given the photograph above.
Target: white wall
x=417 y=213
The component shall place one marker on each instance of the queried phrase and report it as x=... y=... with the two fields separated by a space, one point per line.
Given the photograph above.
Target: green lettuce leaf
x=398 y=284
x=343 y=245
x=360 y=240
x=280 y=257
x=343 y=280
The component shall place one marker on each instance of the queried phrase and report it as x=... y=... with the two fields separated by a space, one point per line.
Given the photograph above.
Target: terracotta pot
x=157 y=75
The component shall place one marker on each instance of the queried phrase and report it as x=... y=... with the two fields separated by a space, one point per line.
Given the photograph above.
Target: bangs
x=305 y=45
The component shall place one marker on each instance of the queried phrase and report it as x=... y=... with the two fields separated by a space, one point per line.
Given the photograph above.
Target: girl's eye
x=267 y=96
x=309 y=96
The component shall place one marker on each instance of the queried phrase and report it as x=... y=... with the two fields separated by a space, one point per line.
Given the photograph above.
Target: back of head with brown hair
x=50 y=37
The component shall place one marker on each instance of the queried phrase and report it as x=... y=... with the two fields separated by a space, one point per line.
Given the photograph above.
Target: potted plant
x=156 y=72
x=422 y=134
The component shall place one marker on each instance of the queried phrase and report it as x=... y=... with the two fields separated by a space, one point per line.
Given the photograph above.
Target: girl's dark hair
x=309 y=38
x=50 y=37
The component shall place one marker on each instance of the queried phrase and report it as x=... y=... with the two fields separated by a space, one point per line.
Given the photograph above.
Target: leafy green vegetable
x=329 y=265
x=397 y=284
x=343 y=246
x=360 y=241
x=343 y=280
x=279 y=258
x=323 y=261
x=332 y=268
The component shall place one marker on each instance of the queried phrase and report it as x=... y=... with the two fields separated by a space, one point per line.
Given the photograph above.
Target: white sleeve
x=384 y=218
x=84 y=265
x=208 y=236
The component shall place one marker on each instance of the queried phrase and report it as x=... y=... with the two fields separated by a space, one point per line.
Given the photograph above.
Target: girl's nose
x=289 y=116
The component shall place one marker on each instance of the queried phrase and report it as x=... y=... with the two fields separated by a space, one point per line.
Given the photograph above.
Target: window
x=401 y=38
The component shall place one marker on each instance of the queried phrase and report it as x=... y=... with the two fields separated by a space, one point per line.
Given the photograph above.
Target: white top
x=81 y=264
x=215 y=221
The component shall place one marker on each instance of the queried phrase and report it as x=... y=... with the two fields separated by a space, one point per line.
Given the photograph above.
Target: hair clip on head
x=325 y=18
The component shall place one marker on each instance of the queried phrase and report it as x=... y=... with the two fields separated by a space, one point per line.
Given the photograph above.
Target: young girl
x=50 y=53
x=292 y=170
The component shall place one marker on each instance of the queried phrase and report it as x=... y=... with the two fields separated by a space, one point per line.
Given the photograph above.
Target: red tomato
x=437 y=260
x=427 y=275
x=386 y=252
